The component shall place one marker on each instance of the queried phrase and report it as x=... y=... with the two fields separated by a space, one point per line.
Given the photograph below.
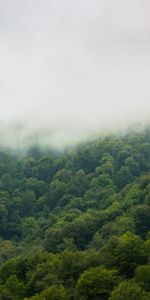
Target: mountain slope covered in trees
x=76 y=225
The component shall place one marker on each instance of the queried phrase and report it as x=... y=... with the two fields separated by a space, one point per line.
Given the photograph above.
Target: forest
x=75 y=224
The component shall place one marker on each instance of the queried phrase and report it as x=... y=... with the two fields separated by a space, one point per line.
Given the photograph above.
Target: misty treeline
x=76 y=225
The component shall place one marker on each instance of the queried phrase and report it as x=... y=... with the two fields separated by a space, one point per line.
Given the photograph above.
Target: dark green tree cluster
x=75 y=225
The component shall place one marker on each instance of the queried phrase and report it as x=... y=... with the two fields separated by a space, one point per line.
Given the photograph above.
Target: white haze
x=72 y=68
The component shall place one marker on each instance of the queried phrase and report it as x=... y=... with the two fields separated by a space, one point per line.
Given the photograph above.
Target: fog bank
x=69 y=69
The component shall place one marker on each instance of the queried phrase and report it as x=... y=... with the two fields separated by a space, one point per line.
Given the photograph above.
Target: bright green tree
x=97 y=283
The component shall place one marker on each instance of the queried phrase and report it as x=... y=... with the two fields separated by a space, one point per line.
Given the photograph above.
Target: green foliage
x=97 y=283
x=142 y=277
x=76 y=224
x=142 y=219
x=55 y=292
x=129 y=290
x=127 y=252
x=13 y=289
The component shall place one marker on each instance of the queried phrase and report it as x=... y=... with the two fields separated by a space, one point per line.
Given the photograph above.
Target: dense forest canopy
x=75 y=225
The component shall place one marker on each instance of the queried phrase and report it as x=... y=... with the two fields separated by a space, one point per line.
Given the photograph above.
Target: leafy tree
x=142 y=220
x=142 y=277
x=13 y=289
x=7 y=250
x=128 y=290
x=97 y=283
x=55 y=292
x=127 y=252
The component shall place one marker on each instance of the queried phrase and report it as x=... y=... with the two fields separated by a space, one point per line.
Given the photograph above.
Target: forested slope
x=76 y=225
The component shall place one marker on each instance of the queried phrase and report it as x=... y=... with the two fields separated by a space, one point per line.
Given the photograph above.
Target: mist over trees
x=76 y=224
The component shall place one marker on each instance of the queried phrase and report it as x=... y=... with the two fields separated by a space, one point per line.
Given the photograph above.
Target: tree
x=125 y=253
x=13 y=289
x=128 y=290
x=7 y=250
x=55 y=292
x=142 y=277
x=142 y=220
x=97 y=283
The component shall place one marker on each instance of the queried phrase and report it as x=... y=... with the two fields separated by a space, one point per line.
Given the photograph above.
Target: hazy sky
x=74 y=66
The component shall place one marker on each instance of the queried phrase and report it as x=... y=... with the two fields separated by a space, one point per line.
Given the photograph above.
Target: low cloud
x=73 y=68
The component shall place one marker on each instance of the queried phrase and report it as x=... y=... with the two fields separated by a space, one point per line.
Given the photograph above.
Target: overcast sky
x=73 y=67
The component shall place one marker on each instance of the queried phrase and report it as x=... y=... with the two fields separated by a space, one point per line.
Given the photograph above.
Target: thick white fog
x=72 y=68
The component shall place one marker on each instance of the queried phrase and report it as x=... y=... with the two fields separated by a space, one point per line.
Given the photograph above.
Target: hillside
x=75 y=225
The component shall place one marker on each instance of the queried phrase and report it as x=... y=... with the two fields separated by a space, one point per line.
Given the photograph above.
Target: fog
x=69 y=69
